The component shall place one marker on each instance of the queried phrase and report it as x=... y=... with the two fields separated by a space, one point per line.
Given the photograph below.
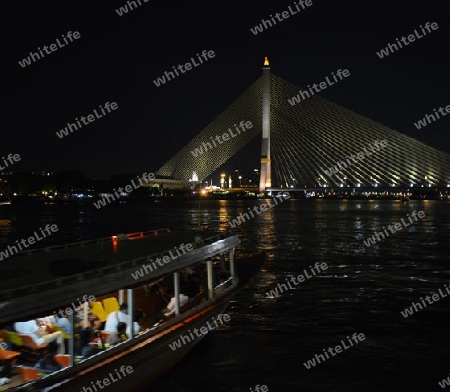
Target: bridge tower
x=265 y=180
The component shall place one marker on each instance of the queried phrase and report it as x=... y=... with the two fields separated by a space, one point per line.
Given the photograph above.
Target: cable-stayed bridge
x=310 y=144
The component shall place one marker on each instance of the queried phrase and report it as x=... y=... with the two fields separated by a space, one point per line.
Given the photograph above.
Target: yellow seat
x=111 y=305
x=58 y=328
x=14 y=338
x=99 y=311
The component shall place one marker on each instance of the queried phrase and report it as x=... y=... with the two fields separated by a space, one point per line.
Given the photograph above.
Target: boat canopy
x=46 y=279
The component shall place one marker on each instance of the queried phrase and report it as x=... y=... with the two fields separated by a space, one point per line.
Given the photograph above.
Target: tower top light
x=266 y=61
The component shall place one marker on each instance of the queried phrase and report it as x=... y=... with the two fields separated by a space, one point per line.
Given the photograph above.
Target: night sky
x=117 y=58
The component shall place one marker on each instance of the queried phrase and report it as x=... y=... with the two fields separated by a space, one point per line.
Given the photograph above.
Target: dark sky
x=117 y=58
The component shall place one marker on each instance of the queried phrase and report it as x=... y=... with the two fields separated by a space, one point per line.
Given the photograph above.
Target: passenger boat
x=118 y=267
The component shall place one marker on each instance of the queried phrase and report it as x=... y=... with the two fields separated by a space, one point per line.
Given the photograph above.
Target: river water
x=270 y=337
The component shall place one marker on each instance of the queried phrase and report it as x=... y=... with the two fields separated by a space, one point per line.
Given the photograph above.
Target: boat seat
x=31 y=344
x=110 y=305
x=14 y=338
x=64 y=333
x=99 y=311
x=8 y=355
x=28 y=374
x=63 y=360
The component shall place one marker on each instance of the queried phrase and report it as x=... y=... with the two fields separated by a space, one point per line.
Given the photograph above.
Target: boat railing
x=62 y=282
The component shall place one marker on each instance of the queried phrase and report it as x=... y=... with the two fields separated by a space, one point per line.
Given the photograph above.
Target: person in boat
x=92 y=321
x=114 y=318
x=156 y=299
x=48 y=363
x=137 y=317
x=40 y=334
x=62 y=322
x=84 y=327
x=118 y=336
x=170 y=308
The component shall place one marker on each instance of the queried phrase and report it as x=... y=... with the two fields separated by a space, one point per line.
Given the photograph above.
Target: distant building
x=168 y=184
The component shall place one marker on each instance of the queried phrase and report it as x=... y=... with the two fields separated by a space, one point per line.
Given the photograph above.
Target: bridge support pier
x=265 y=179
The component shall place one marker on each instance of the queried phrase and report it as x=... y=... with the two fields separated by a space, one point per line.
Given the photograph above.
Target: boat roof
x=47 y=279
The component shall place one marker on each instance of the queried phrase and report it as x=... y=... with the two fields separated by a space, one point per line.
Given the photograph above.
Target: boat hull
x=150 y=355
x=147 y=359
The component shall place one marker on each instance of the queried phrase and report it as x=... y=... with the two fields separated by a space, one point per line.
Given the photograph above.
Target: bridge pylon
x=265 y=174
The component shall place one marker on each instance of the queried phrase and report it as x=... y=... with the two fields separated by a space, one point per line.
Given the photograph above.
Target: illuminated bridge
x=315 y=143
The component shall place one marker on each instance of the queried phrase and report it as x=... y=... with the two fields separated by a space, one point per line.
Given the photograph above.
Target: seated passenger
x=40 y=335
x=84 y=328
x=170 y=309
x=62 y=322
x=119 y=335
x=48 y=363
x=114 y=318
x=156 y=299
x=137 y=316
x=92 y=321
